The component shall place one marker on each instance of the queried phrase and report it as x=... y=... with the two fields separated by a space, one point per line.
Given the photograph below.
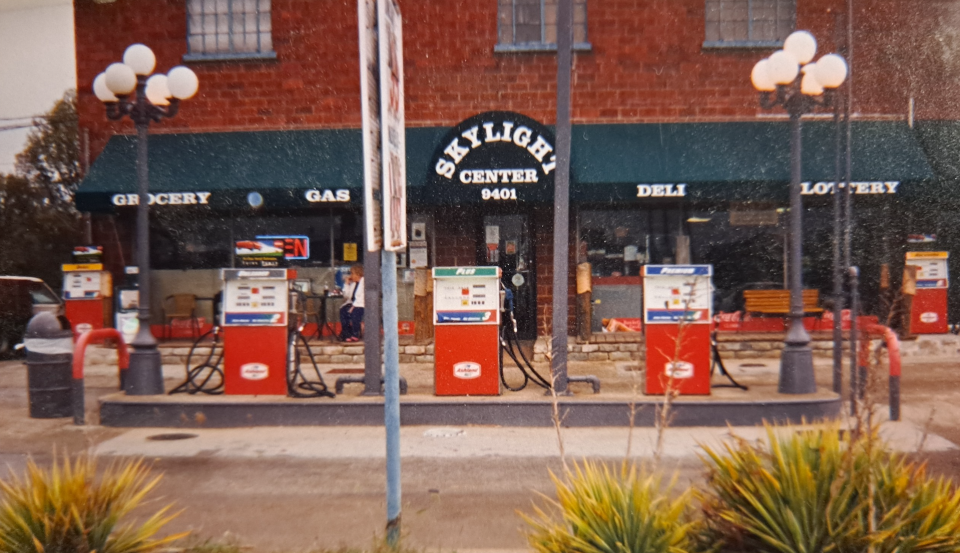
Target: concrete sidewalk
x=364 y=442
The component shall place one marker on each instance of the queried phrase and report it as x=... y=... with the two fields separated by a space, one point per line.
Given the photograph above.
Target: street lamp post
x=157 y=97
x=788 y=79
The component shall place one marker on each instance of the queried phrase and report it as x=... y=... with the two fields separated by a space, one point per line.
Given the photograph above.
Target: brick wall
x=646 y=64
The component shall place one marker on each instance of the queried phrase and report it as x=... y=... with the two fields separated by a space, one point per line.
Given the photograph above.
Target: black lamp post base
x=145 y=374
x=796 y=370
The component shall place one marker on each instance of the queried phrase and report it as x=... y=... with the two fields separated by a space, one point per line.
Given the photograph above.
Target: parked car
x=20 y=299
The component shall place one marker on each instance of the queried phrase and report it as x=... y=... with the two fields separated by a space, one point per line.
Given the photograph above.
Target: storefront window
x=189 y=242
x=745 y=245
x=617 y=242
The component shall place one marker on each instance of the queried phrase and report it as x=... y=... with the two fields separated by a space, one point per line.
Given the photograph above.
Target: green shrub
x=67 y=509
x=600 y=509
x=823 y=491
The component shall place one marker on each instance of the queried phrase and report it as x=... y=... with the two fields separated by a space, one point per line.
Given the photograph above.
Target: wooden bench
x=777 y=302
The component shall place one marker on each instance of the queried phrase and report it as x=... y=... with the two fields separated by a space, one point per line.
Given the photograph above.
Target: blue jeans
x=350 y=321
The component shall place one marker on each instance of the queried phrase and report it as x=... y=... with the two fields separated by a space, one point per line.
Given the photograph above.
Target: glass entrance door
x=508 y=244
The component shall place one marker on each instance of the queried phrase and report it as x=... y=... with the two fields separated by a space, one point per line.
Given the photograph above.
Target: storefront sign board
x=497 y=156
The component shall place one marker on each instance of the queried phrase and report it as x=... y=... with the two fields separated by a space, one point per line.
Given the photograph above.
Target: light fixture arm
x=138 y=108
x=795 y=102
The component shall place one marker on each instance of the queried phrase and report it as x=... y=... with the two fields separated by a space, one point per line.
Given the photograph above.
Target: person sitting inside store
x=351 y=312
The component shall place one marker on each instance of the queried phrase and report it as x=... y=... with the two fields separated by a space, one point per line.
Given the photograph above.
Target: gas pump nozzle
x=506 y=304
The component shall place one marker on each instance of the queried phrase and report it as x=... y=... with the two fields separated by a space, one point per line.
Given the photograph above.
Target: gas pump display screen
x=674 y=293
x=931 y=268
x=249 y=301
x=467 y=298
x=83 y=285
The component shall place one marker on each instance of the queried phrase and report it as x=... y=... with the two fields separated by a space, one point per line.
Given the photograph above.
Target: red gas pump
x=87 y=293
x=928 y=312
x=255 y=303
x=677 y=302
x=466 y=310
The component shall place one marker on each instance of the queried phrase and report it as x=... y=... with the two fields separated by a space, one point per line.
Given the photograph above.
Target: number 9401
x=499 y=193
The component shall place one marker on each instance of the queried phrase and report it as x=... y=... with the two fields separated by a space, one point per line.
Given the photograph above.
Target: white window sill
x=533 y=47
x=741 y=44
x=227 y=56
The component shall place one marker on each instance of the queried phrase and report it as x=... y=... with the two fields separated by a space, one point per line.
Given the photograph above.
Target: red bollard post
x=123 y=361
x=893 y=354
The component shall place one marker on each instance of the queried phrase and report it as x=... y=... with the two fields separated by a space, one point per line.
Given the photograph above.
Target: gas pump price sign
x=466 y=295
x=931 y=268
x=677 y=293
x=255 y=298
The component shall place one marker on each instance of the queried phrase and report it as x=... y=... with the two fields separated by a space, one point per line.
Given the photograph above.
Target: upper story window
x=749 y=23
x=531 y=25
x=229 y=29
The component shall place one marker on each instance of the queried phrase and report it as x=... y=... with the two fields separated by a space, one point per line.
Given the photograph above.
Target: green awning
x=735 y=161
x=283 y=166
x=310 y=168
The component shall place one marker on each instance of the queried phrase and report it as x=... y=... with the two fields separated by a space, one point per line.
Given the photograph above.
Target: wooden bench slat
x=777 y=302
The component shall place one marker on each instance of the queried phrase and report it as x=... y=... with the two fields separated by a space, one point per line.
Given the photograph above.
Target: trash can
x=49 y=367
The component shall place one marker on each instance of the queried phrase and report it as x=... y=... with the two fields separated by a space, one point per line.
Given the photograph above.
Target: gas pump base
x=344 y=380
x=420 y=407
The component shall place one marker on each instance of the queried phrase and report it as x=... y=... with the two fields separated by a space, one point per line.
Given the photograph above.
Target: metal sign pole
x=561 y=199
x=385 y=211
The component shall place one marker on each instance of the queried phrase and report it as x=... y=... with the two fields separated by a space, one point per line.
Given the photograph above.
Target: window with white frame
x=229 y=29
x=749 y=23
x=532 y=25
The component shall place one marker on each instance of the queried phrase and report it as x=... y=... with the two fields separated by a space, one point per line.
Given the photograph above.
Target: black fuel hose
x=507 y=339
x=207 y=376
x=298 y=384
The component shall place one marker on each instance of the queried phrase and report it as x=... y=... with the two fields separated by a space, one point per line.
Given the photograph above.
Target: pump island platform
x=621 y=401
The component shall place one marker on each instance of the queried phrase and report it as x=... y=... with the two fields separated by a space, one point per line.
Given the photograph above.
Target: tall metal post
x=855 y=383
x=391 y=393
x=561 y=198
x=837 y=267
x=796 y=361
x=371 y=325
x=848 y=197
x=145 y=374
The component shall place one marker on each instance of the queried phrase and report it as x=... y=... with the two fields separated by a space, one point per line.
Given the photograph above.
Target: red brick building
x=673 y=158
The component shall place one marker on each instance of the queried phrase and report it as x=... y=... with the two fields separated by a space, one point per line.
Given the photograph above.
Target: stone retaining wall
x=576 y=351
x=922 y=346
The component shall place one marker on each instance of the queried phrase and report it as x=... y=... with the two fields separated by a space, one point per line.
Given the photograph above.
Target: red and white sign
x=370 y=115
x=466 y=370
x=254 y=371
x=392 y=126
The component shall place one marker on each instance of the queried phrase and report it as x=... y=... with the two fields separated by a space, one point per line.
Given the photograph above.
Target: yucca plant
x=68 y=509
x=821 y=491
x=914 y=513
x=604 y=509
x=783 y=496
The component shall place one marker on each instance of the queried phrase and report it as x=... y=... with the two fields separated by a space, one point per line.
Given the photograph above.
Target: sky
x=37 y=64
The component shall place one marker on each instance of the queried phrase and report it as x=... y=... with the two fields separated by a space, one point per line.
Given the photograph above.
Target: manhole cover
x=444 y=432
x=171 y=436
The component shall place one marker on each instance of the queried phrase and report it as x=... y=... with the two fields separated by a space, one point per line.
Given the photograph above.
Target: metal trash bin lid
x=45 y=335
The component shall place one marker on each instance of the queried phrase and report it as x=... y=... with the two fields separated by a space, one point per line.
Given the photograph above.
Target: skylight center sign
x=494 y=156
